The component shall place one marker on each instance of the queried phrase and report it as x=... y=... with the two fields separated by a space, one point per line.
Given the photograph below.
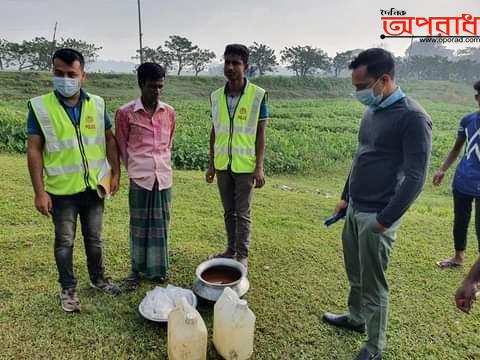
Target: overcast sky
x=330 y=25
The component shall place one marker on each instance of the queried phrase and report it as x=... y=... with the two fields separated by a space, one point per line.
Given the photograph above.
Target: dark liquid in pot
x=221 y=275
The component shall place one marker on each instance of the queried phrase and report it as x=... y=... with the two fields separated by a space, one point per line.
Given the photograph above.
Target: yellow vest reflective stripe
x=235 y=152
x=74 y=157
x=69 y=169
x=235 y=137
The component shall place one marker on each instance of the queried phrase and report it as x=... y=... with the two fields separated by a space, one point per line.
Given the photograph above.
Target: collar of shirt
x=139 y=106
x=397 y=95
x=83 y=96
x=245 y=83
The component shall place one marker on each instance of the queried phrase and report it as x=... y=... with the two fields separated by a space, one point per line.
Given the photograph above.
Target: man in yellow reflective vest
x=237 y=148
x=69 y=142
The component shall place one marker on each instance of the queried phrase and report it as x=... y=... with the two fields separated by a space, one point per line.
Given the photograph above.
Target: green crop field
x=296 y=267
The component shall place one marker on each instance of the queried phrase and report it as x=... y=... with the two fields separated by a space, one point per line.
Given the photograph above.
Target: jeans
x=66 y=209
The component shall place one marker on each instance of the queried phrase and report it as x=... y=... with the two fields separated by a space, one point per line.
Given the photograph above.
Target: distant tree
x=401 y=67
x=418 y=66
x=27 y=55
x=22 y=55
x=3 y=53
x=89 y=51
x=262 y=58
x=436 y=68
x=158 y=55
x=466 y=70
x=149 y=55
x=305 y=60
x=428 y=68
x=6 y=55
x=164 y=58
x=41 y=51
x=199 y=59
x=341 y=61
x=469 y=53
x=181 y=49
x=428 y=49
x=36 y=54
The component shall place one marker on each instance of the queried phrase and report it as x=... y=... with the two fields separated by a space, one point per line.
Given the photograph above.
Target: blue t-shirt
x=467 y=175
x=74 y=113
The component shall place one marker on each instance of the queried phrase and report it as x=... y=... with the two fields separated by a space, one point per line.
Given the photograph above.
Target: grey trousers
x=366 y=254
x=236 y=192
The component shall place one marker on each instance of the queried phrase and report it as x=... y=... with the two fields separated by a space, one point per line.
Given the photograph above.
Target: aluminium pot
x=211 y=289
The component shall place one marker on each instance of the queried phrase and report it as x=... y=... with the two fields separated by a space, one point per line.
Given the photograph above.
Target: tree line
x=434 y=61
x=178 y=51
x=421 y=60
x=36 y=54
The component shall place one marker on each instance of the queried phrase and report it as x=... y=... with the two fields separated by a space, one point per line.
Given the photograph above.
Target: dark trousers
x=462 y=205
x=66 y=208
x=236 y=192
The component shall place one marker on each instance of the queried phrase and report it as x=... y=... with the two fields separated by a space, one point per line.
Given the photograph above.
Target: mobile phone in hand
x=333 y=219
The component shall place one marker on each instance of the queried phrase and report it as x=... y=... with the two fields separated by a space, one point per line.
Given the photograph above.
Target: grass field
x=296 y=272
x=296 y=268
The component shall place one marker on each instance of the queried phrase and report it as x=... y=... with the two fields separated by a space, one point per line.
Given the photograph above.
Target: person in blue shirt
x=236 y=184
x=63 y=207
x=468 y=292
x=466 y=182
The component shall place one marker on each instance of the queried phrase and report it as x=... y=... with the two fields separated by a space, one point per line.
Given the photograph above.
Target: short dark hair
x=237 y=49
x=378 y=61
x=150 y=71
x=69 y=56
x=476 y=86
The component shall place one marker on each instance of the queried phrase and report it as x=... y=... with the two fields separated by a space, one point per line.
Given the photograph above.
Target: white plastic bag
x=158 y=302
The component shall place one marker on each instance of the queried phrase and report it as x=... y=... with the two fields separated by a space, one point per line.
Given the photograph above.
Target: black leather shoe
x=342 y=321
x=364 y=354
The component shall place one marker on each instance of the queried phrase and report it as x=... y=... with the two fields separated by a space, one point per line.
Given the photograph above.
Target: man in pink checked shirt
x=144 y=132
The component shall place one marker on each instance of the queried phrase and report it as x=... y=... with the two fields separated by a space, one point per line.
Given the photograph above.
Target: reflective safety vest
x=236 y=134
x=74 y=156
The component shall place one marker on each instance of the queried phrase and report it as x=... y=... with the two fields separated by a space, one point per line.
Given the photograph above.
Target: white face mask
x=67 y=87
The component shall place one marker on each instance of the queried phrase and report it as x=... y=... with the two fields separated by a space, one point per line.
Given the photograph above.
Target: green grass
x=296 y=273
x=296 y=268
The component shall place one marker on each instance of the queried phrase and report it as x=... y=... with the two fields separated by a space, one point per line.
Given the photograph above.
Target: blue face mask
x=367 y=97
x=67 y=87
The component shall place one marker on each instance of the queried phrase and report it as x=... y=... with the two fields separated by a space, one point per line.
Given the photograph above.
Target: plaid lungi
x=149 y=222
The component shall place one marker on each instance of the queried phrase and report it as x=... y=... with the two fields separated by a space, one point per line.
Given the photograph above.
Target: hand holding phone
x=333 y=219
